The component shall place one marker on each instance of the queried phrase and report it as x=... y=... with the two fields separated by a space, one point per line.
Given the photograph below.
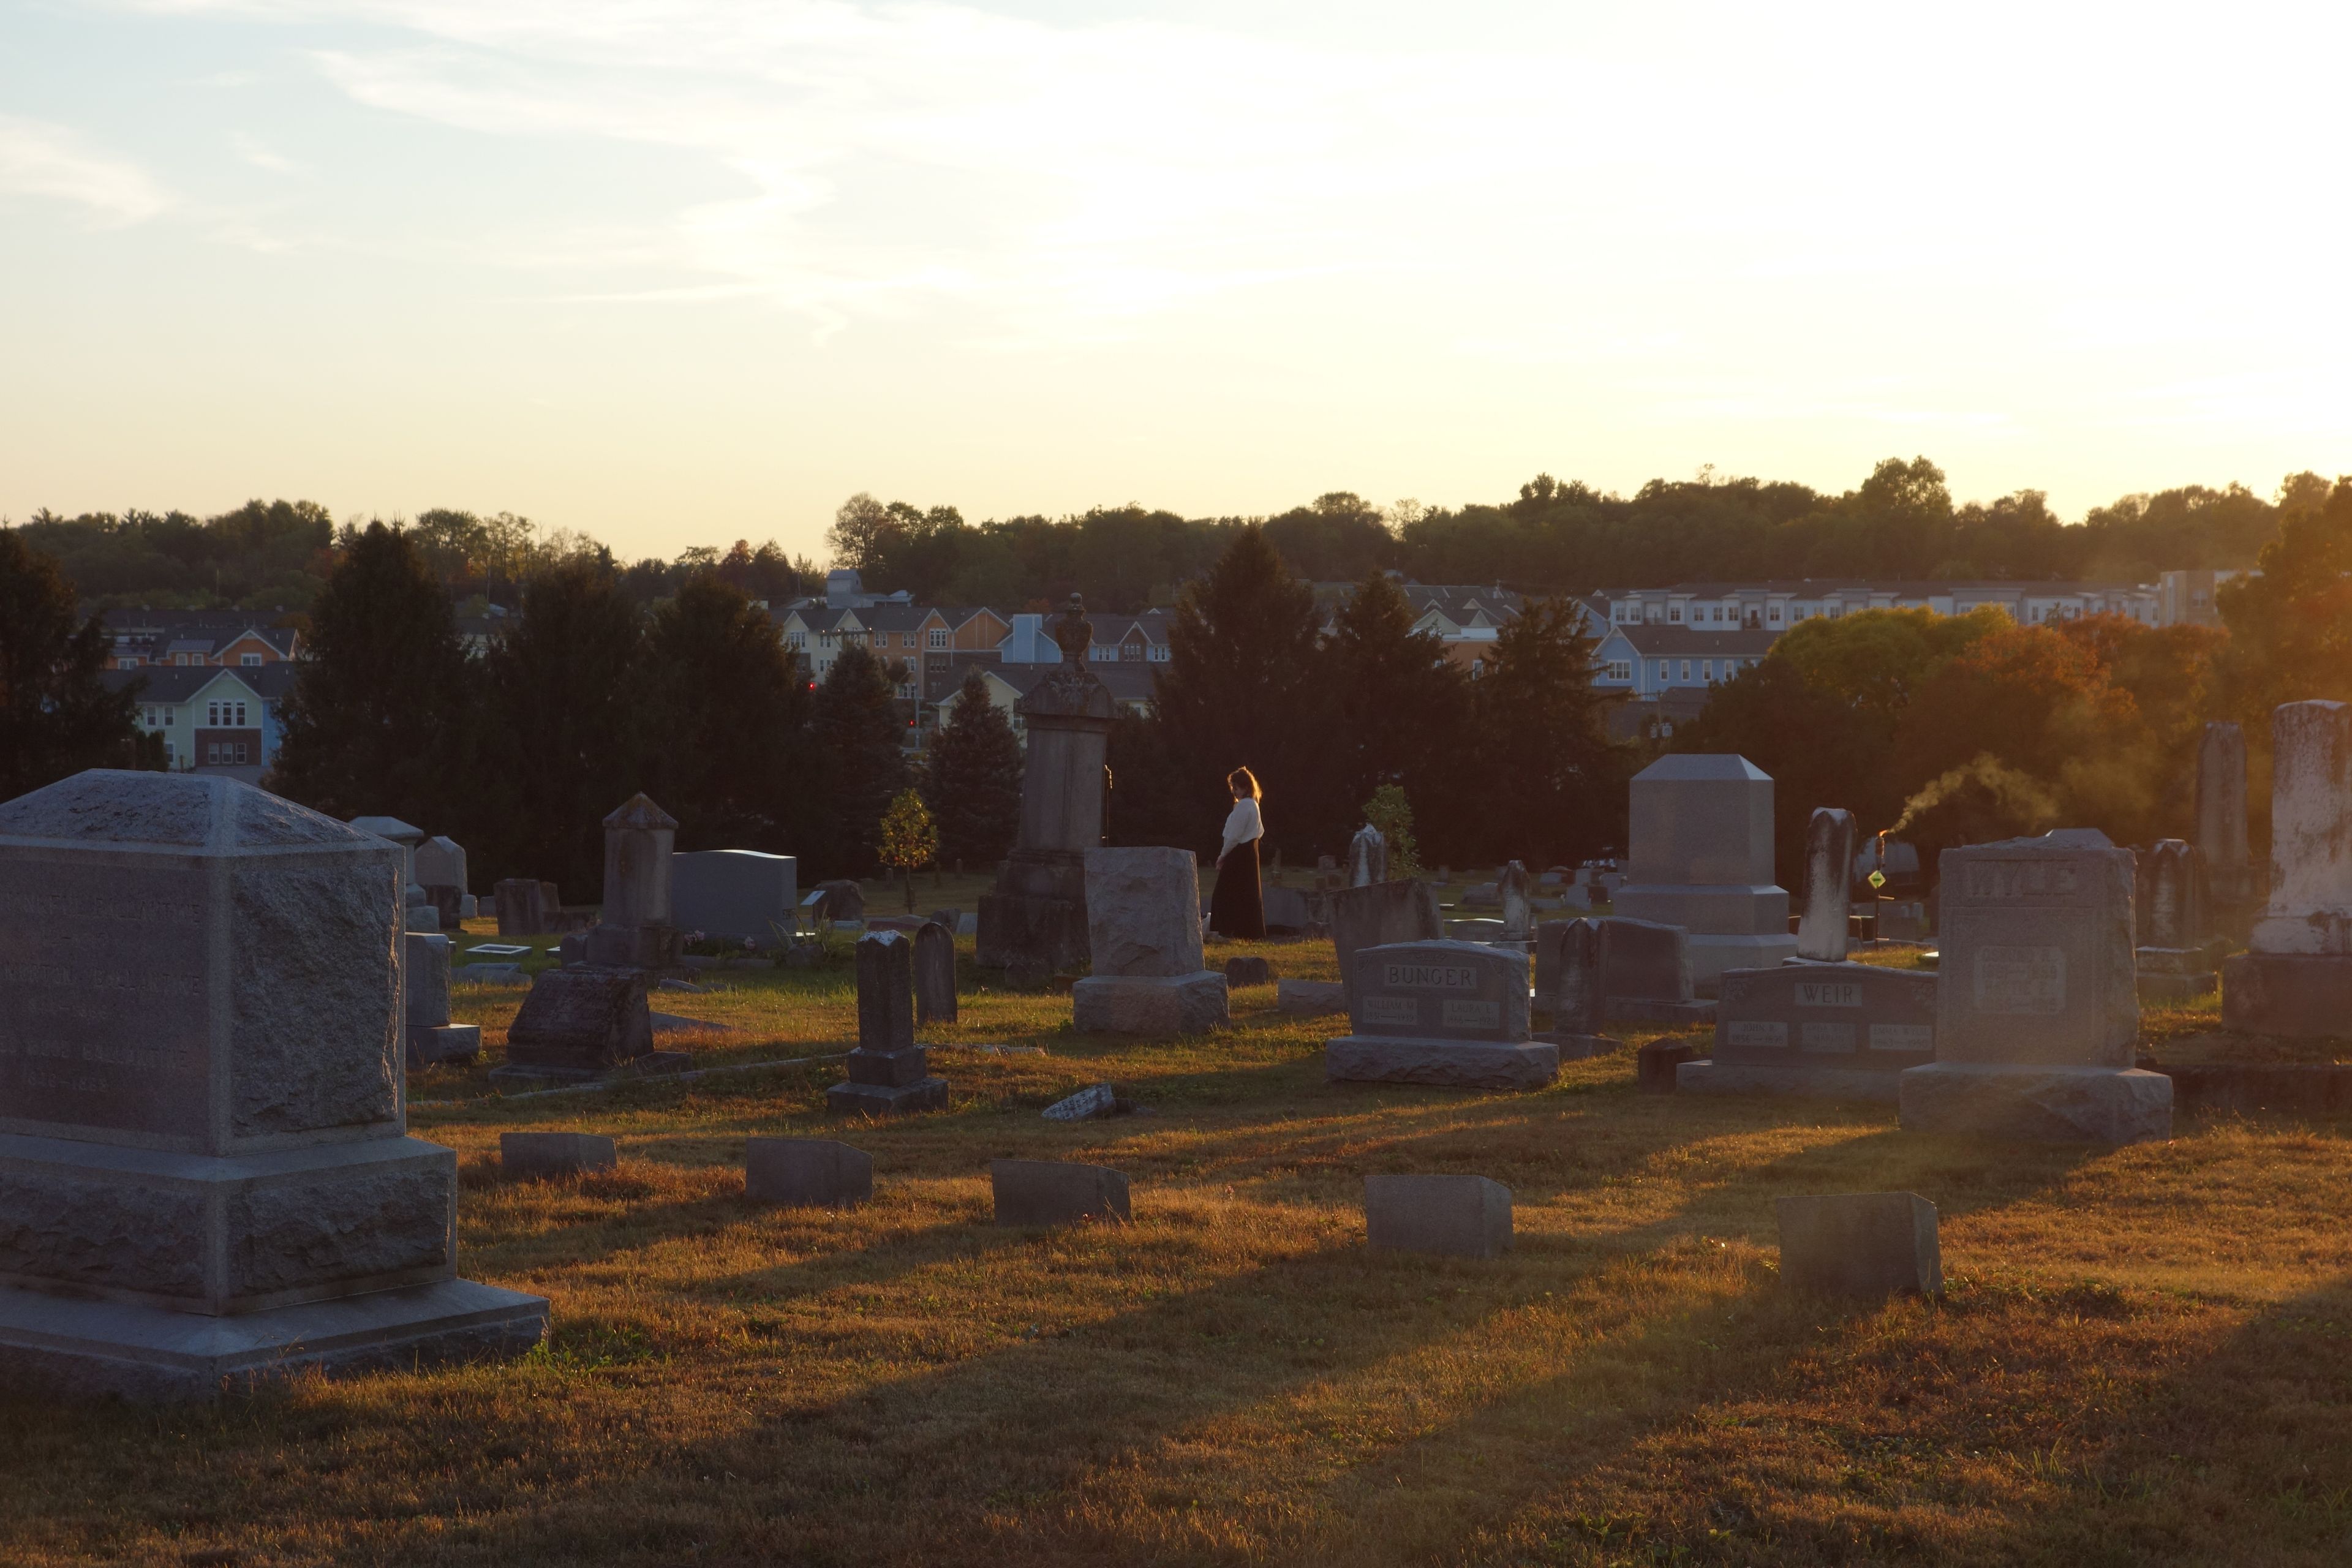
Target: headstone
x=1645 y=973
x=2221 y=815
x=2177 y=952
x=1518 y=915
x=1822 y=925
x=1368 y=858
x=1248 y=968
x=425 y=980
x=2297 y=978
x=1454 y=1217
x=935 y=974
x=1860 y=1246
x=1089 y=1104
x=208 y=1177
x=1053 y=1192
x=2036 y=1011
x=1034 y=923
x=523 y=908
x=843 y=899
x=739 y=893
x=807 y=1173
x=584 y=1025
x=1450 y=1013
x=1285 y=908
x=1828 y=1031
x=1310 y=998
x=637 y=927
x=1144 y=932
x=537 y=1156
x=441 y=863
x=1702 y=859
x=417 y=914
x=420 y=915
x=1657 y=1066
x=1567 y=987
x=948 y=919
x=1378 y=914
x=448 y=905
x=889 y=1075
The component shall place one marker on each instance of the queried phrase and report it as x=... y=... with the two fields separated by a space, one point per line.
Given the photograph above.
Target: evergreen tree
x=733 y=714
x=57 y=717
x=973 y=780
x=1402 y=703
x=858 y=730
x=569 y=708
x=1550 y=787
x=380 y=711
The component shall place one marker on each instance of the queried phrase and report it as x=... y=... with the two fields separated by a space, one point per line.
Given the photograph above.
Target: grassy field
x=2145 y=1355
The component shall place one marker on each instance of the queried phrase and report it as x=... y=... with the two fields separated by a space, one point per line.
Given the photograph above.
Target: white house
x=213 y=718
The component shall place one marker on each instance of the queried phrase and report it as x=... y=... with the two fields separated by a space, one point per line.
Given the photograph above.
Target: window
x=1706 y=672
x=1685 y=669
x=1160 y=651
x=796 y=639
x=212 y=714
x=240 y=715
x=1772 y=614
x=240 y=750
x=212 y=752
x=906 y=640
x=1662 y=670
x=248 y=659
x=938 y=637
x=1674 y=612
x=1621 y=669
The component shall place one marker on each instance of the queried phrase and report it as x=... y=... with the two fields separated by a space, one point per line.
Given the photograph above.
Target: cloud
x=257 y=152
x=38 y=159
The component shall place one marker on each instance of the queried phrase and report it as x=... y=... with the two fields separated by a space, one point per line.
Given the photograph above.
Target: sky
x=674 y=272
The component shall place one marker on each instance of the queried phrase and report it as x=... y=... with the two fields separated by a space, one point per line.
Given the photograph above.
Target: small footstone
x=1250 y=969
x=1654 y=1064
x=1310 y=998
x=807 y=1173
x=1458 y=1216
x=1865 y=1246
x=539 y=1154
x=1098 y=1100
x=1055 y=1192
x=1153 y=1006
x=1577 y=1047
x=880 y=1099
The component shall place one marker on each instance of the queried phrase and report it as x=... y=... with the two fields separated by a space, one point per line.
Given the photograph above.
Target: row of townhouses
x=212 y=683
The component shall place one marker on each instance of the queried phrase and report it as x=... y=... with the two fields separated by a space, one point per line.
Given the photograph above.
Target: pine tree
x=732 y=720
x=1553 y=787
x=1402 y=704
x=973 y=780
x=380 y=711
x=858 y=730
x=57 y=717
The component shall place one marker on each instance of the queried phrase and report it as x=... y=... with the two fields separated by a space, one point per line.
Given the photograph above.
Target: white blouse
x=1242 y=826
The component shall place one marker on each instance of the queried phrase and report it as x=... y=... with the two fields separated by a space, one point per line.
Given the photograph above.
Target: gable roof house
x=215 y=719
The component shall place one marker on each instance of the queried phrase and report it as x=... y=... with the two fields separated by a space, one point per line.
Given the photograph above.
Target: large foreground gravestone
x=1377 y=914
x=204 y=1172
x=1035 y=922
x=1831 y=1031
x=2296 y=977
x=637 y=927
x=889 y=1075
x=1702 y=859
x=1449 y=1013
x=739 y=893
x=582 y=1025
x=1144 y=931
x=1821 y=925
x=2036 y=1010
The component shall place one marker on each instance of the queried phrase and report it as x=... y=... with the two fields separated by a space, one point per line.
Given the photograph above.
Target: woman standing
x=1236 y=907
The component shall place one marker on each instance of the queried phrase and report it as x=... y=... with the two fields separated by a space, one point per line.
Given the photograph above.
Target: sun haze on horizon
x=671 y=270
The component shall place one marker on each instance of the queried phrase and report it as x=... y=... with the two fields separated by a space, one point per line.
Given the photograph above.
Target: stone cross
x=1828 y=885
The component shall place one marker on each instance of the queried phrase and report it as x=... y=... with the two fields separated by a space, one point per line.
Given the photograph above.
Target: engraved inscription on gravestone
x=2038 y=946
x=1443 y=990
x=2020 y=980
x=1849 y=1017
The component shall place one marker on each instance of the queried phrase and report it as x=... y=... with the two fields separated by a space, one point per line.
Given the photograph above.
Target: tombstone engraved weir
x=1831 y=1031
x=1450 y=1013
x=2037 y=1012
x=1823 y=924
x=1702 y=859
x=204 y=1172
x=2296 y=978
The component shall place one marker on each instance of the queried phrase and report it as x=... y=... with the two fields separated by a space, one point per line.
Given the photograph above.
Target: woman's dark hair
x=1242 y=781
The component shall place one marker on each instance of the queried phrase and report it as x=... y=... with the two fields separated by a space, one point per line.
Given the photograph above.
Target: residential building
x=1775 y=606
x=188 y=639
x=2186 y=598
x=1131 y=684
x=1646 y=659
x=223 y=718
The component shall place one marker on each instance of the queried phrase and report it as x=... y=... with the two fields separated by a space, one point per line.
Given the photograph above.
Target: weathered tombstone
x=637 y=927
x=1310 y=998
x=1144 y=931
x=807 y=1173
x=537 y=1156
x=1248 y=968
x=578 y=1025
x=522 y=906
x=1368 y=858
x=1089 y=1104
x=448 y=905
x=1657 y=1066
x=1828 y=1031
x=1450 y=1013
x=425 y=981
x=1034 y=923
x=2176 y=954
x=1518 y=915
x=1454 y=1217
x=2221 y=815
x=1645 y=973
x=1285 y=908
x=1567 y=987
x=738 y=893
x=935 y=974
x=417 y=913
x=843 y=899
x=1860 y=1246
x=889 y=1075
x=2036 y=1011
x=1822 y=926
x=1054 y=1191
x=1702 y=859
x=1378 y=914
x=441 y=872
x=2297 y=977
x=208 y=1177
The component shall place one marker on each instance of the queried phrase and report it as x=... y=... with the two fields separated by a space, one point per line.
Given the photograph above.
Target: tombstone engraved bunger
x=1821 y=925
x=2177 y=956
x=637 y=928
x=1035 y=922
x=2222 y=816
x=1449 y=1013
x=1827 y=1031
x=738 y=893
x=2037 y=1014
x=1143 y=925
x=1368 y=858
x=1515 y=893
x=1702 y=859
x=2297 y=978
x=935 y=973
x=1567 y=987
x=205 y=1175
x=889 y=1075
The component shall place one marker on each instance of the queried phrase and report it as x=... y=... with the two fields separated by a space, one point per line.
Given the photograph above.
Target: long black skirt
x=1236 y=906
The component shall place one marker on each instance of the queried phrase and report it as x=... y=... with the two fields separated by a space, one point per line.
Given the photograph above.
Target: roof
x=179 y=682
x=1665 y=639
x=1129 y=682
x=1903 y=587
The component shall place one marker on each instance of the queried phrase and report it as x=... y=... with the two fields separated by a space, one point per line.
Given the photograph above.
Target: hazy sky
x=675 y=271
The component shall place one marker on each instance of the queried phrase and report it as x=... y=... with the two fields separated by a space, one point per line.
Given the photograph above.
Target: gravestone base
x=887 y=1100
x=1657 y=1010
x=2300 y=995
x=2164 y=987
x=145 y=1353
x=1711 y=1077
x=431 y=1043
x=1155 y=1005
x=552 y=1074
x=1454 y=1064
x=1576 y=1047
x=2037 y=1104
x=1711 y=955
x=1310 y=998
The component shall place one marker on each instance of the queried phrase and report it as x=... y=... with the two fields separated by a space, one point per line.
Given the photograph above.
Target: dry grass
x=2146 y=1355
